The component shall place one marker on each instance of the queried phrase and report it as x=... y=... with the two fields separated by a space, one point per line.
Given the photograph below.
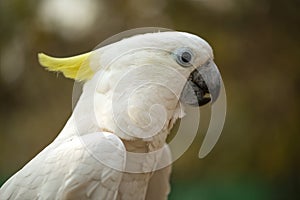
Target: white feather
x=70 y=167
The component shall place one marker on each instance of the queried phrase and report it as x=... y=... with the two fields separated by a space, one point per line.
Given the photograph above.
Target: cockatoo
x=114 y=144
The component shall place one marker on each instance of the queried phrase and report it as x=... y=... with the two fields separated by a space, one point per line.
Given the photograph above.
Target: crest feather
x=75 y=67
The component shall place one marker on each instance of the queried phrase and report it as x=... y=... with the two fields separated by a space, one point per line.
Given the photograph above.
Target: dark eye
x=184 y=57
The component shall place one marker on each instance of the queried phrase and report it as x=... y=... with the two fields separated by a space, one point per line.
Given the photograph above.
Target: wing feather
x=77 y=168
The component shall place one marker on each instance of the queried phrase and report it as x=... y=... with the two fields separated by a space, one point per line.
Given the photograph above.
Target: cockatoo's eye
x=184 y=57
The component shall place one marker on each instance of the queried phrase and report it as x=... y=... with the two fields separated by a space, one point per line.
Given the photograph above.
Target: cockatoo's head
x=139 y=82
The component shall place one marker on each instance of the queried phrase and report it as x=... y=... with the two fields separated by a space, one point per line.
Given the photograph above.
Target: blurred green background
x=257 y=48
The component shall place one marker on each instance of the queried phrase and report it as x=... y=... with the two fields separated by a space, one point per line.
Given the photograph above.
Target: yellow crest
x=75 y=67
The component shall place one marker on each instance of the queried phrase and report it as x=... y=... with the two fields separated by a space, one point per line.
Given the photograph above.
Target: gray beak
x=203 y=85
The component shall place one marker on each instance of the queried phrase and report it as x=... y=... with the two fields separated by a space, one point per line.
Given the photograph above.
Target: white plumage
x=88 y=159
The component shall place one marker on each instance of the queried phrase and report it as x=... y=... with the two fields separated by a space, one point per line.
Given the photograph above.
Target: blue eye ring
x=184 y=57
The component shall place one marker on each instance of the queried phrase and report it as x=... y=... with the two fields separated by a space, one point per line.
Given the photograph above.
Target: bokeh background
x=257 y=49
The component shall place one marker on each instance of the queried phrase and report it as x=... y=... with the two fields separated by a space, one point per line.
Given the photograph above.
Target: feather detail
x=75 y=67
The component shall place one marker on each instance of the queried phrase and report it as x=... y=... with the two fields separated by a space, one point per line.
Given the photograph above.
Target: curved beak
x=203 y=85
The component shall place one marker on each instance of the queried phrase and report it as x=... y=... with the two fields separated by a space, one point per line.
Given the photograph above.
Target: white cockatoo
x=114 y=144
